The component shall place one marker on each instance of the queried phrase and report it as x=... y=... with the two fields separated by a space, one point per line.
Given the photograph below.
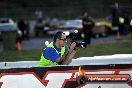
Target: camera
x=81 y=44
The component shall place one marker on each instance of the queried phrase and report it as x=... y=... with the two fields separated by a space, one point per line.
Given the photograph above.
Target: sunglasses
x=63 y=39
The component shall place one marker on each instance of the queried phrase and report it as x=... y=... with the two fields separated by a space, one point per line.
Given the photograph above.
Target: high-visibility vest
x=45 y=61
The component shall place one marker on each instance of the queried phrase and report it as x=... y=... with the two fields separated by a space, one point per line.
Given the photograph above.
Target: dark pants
x=88 y=35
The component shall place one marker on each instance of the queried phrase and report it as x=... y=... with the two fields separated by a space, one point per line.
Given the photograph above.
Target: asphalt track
x=39 y=43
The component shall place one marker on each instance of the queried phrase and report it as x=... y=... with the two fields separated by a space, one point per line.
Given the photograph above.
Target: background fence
x=63 y=9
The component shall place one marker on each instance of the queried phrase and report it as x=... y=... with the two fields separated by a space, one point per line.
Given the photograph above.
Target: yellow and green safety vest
x=45 y=62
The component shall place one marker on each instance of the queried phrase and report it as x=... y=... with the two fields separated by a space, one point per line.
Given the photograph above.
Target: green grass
x=24 y=55
x=124 y=47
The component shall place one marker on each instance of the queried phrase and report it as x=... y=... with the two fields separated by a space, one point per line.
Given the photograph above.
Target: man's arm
x=66 y=58
x=69 y=57
x=61 y=58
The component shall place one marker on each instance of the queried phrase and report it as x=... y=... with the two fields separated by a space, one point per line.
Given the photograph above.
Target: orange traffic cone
x=118 y=37
x=18 y=46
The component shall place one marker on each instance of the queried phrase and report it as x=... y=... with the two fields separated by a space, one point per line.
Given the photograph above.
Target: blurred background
x=29 y=24
x=55 y=10
x=60 y=9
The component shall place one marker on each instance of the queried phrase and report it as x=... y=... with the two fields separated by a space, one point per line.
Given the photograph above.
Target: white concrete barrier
x=104 y=60
x=26 y=74
x=96 y=60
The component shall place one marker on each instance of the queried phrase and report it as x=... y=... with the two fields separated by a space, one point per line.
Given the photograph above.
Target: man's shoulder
x=48 y=49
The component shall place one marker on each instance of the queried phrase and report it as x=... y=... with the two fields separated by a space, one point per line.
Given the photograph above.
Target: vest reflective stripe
x=46 y=62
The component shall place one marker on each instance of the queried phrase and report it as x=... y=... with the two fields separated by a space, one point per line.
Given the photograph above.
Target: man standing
x=88 y=24
x=58 y=52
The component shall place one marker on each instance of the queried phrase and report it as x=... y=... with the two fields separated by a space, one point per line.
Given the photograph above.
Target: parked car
x=69 y=27
x=7 y=24
x=74 y=28
x=102 y=28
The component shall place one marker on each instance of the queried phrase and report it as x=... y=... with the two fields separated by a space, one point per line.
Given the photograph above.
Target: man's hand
x=72 y=46
x=68 y=58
